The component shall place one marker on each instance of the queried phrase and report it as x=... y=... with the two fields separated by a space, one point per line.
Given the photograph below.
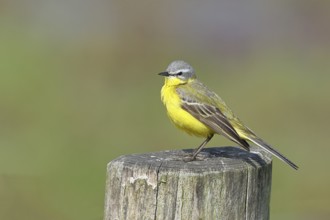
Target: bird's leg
x=197 y=150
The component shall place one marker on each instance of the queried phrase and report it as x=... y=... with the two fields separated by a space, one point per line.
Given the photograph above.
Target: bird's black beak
x=164 y=74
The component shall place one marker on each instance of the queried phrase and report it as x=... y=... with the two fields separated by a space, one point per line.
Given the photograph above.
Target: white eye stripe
x=180 y=71
x=184 y=71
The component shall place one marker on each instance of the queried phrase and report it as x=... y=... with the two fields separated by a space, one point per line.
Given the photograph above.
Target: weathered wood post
x=223 y=183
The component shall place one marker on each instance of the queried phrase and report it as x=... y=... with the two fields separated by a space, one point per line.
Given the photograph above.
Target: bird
x=197 y=110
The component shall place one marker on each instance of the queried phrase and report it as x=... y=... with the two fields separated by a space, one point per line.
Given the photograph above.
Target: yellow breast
x=181 y=118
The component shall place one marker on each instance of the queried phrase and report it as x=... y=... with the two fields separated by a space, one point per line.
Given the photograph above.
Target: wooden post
x=223 y=183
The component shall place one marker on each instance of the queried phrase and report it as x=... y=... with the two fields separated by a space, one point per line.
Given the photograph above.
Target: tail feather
x=271 y=150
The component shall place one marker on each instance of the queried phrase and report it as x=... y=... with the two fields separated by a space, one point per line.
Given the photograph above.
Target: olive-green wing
x=203 y=105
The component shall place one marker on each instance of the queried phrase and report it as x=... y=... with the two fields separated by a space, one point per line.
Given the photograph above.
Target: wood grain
x=223 y=183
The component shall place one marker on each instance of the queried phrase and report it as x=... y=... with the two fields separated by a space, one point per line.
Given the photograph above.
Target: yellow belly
x=181 y=118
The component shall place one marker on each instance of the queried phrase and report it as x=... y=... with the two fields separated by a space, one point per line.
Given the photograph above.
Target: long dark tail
x=271 y=150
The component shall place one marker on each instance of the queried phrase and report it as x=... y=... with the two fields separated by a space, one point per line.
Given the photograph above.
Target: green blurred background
x=78 y=88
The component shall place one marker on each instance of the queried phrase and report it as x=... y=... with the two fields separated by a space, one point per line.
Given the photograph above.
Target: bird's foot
x=189 y=158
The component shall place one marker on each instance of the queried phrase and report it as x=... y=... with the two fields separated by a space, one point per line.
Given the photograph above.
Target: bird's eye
x=179 y=74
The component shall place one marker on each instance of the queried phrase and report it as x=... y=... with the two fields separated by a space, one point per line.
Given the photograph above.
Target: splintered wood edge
x=215 y=158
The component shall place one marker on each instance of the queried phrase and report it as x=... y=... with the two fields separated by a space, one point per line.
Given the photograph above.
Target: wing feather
x=202 y=109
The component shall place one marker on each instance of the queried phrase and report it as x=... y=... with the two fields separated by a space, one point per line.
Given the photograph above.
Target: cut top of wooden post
x=222 y=183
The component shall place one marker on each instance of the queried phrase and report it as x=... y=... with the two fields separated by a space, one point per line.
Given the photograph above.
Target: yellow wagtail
x=194 y=108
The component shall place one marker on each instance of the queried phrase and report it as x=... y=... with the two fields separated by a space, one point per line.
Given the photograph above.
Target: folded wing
x=199 y=104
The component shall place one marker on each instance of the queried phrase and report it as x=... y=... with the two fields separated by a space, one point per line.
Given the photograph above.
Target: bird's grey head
x=179 y=69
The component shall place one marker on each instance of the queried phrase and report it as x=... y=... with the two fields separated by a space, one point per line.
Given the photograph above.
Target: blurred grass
x=67 y=109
